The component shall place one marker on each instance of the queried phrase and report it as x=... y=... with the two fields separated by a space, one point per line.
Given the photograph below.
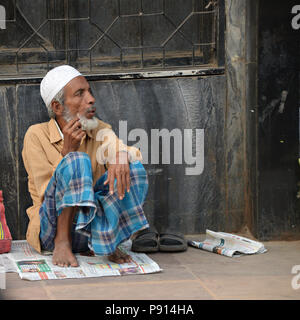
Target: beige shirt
x=41 y=154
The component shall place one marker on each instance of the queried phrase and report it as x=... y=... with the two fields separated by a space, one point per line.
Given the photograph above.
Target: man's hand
x=72 y=136
x=121 y=171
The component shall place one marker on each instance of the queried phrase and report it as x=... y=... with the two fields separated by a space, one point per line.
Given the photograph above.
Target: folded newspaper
x=227 y=244
x=31 y=265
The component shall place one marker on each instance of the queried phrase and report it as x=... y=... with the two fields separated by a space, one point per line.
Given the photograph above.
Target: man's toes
x=118 y=259
x=125 y=257
x=114 y=258
x=55 y=262
x=122 y=260
x=74 y=264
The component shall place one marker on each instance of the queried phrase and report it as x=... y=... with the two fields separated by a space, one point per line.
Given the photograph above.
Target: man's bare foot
x=63 y=256
x=119 y=257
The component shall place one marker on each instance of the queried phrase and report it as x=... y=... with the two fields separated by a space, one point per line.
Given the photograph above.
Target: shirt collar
x=55 y=135
x=58 y=128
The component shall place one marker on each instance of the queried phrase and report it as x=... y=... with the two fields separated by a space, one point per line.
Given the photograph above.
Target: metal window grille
x=108 y=35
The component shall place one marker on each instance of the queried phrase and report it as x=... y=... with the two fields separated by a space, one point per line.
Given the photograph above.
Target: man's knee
x=76 y=160
x=74 y=165
x=76 y=156
x=139 y=179
x=137 y=170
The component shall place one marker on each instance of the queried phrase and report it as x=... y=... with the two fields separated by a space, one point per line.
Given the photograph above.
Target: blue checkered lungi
x=102 y=221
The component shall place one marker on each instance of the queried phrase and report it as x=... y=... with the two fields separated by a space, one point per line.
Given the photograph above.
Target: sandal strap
x=172 y=234
x=146 y=232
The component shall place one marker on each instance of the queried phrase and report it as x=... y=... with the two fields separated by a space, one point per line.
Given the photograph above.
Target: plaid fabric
x=102 y=221
x=5 y=236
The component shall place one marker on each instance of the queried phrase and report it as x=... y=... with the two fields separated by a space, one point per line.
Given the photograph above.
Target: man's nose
x=90 y=99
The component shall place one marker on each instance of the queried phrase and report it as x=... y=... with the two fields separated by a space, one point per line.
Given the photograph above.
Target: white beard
x=86 y=124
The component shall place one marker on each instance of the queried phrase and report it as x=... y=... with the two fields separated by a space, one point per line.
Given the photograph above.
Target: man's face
x=79 y=102
x=79 y=98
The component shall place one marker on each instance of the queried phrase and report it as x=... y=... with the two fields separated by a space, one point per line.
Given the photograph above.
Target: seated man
x=87 y=187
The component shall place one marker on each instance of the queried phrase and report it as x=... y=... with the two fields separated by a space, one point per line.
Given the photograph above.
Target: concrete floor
x=190 y=275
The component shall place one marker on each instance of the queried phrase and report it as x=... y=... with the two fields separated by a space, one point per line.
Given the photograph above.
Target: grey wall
x=278 y=214
x=188 y=203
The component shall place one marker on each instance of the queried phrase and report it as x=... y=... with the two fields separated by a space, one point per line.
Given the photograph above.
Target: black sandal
x=146 y=241
x=172 y=242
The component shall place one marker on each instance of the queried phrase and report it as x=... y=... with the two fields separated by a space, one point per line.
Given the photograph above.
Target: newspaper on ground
x=8 y=264
x=227 y=244
x=31 y=265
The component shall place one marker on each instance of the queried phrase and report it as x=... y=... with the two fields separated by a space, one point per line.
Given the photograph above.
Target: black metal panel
x=278 y=207
x=189 y=203
x=29 y=111
x=8 y=158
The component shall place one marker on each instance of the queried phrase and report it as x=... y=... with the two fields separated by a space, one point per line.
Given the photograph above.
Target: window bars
x=99 y=36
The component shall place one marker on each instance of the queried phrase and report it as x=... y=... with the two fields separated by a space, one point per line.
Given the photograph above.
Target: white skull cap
x=55 y=80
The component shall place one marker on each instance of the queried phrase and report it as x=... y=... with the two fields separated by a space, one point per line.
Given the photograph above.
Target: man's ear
x=57 y=108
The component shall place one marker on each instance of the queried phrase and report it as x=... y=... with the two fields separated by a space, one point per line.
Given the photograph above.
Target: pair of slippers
x=148 y=240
